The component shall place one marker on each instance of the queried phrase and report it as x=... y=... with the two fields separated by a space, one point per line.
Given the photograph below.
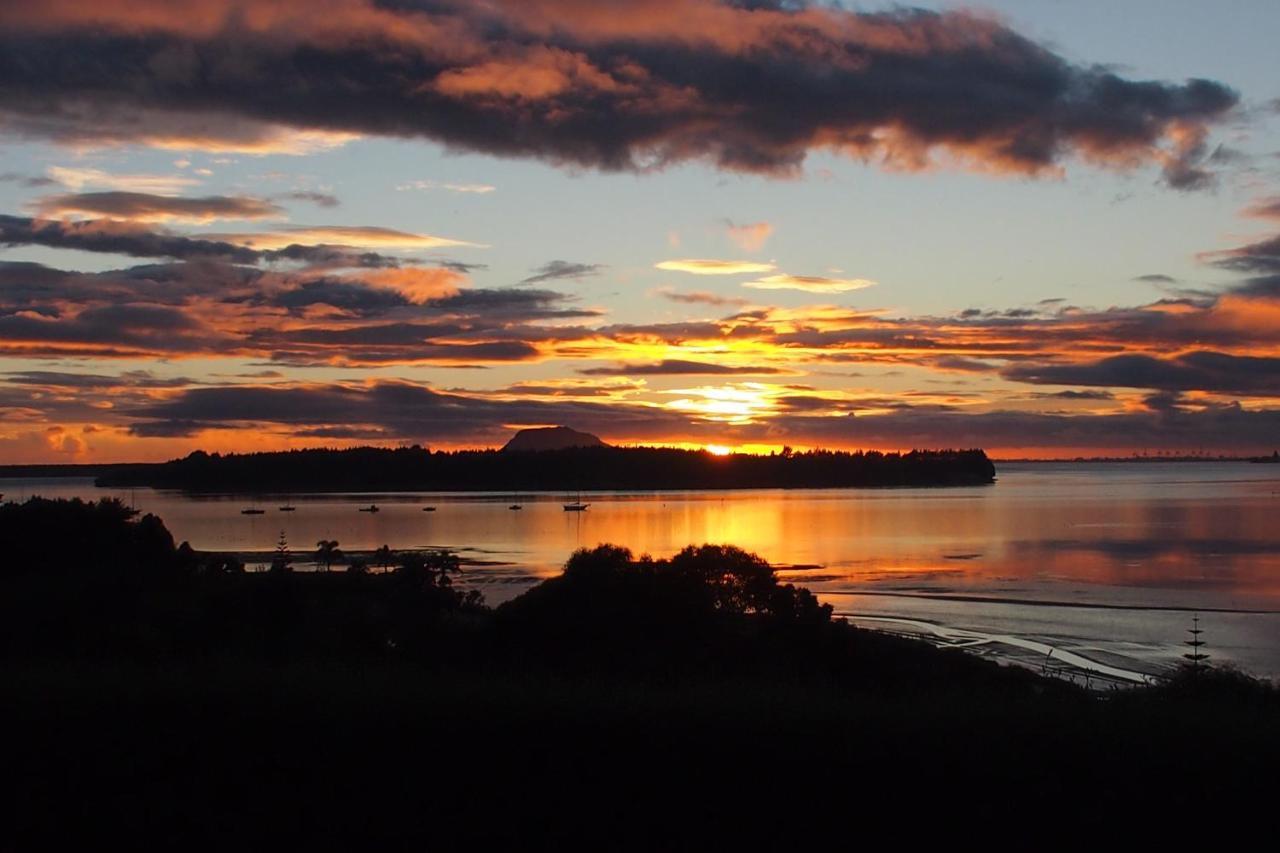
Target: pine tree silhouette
x=282 y=560
x=1196 y=656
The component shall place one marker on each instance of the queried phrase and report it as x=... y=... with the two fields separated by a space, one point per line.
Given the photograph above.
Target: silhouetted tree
x=282 y=560
x=358 y=566
x=430 y=568
x=327 y=553
x=736 y=580
x=384 y=557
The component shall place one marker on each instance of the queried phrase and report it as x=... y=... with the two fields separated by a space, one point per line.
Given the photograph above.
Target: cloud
x=145 y=207
x=703 y=266
x=316 y=198
x=699 y=297
x=471 y=189
x=1267 y=208
x=750 y=237
x=1198 y=370
x=404 y=411
x=136 y=240
x=342 y=235
x=1261 y=256
x=678 y=367
x=509 y=303
x=78 y=179
x=1156 y=278
x=810 y=283
x=553 y=270
x=61 y=379
x=28 y=181
x=116 y=237
x=747 y=87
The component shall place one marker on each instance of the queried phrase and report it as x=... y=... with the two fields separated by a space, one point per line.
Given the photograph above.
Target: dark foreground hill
x=567 y=469
x=167 y=699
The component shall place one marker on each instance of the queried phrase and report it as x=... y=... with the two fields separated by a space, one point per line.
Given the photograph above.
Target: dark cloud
x=117 y=238
x=145 y=207
x=385 y=409
x=130 y=379
x=510 y=303
x=1261 y=257
x=140 y=241
x=677 y=367
x=350 y=296
x=316 y=198
x=1202 y=370
x=747 y=87
x=111 y=330
x=553 y=270
x=29 y=181
x=699 y=297
x=404 y=411
x=1075 y=395
x=461 y=266
x=1156 y=278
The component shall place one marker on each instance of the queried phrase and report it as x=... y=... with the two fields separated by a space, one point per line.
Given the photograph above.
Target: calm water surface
x=1100 y=560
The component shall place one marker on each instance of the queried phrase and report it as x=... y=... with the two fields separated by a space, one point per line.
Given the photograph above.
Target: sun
x=719 y=450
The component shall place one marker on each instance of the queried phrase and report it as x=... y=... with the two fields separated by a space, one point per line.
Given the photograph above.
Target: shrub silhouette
x=83 y=538
x=707 y=607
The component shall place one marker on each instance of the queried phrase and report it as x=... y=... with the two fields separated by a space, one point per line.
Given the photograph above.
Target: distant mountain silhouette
x=552 y=438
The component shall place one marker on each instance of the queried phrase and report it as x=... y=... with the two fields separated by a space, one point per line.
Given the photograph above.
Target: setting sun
x=719 y=450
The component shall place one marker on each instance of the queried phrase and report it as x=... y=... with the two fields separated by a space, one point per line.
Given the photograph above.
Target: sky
x=1048 y=229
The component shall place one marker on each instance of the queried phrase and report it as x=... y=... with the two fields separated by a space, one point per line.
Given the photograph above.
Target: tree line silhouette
x=569 y=469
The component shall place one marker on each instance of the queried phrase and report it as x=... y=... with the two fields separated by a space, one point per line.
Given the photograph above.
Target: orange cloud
x=810 y=283
x=343 y=235
x=703 y=266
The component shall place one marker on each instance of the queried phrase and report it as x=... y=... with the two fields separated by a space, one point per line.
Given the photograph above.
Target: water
x=1100 y=561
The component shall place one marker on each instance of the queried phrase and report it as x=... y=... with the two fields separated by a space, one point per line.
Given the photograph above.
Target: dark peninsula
x=571 y=464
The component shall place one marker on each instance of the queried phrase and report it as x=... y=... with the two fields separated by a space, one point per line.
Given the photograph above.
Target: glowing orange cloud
x=343 y=235
x=703 y=266
x=810 y=283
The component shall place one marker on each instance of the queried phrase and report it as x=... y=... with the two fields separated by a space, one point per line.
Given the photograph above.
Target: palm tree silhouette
x=384 y=557
x=327 y=552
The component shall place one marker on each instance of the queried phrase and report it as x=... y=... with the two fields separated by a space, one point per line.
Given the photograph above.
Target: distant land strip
x=567 y=469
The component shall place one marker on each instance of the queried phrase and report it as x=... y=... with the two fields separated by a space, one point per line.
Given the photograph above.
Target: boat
x=515 y=506
x=369 y=508
x=288 y=508
x=252 y=511
x=428 y=509
x=575 y=506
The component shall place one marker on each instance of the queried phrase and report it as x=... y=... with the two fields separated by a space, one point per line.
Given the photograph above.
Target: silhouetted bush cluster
x=579 y=468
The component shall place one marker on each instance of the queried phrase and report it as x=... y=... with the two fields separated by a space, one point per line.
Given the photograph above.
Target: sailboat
x=576 y=506
x=515 y=503
x=252 y=510
x=369 y=508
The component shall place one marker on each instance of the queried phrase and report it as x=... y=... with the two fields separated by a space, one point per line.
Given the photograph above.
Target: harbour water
x=1054 y=563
